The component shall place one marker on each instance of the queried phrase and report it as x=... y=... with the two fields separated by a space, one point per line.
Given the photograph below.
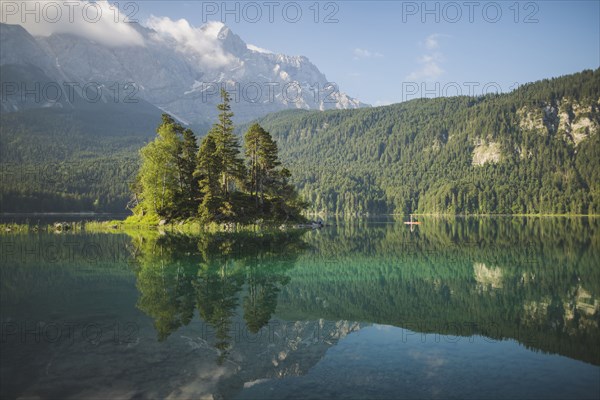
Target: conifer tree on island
x=261 y=151
x=180 y=180
x=224 y=159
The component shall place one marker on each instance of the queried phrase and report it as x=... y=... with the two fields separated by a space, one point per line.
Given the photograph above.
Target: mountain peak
x=231 y=42
x=214 y=29
x=179 y=68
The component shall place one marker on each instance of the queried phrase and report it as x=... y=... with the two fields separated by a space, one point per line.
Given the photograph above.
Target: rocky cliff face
x=571 y=120
x=179 y=70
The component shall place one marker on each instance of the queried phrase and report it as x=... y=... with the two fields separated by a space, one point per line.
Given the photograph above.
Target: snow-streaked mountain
x=178 y=68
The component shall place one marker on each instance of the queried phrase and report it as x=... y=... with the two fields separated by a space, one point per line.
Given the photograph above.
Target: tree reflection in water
x=534 y=280
x=177 y=274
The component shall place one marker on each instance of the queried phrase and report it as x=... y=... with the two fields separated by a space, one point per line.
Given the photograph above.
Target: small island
x=181 y=182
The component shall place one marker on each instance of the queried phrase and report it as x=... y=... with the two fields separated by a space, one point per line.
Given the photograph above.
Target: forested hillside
x=67 y=160
x=535 y=150
x=80 y=159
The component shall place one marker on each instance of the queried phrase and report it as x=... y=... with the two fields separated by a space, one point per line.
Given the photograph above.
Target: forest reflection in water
x=165 y=314
x=214 y=274
x=534 y=280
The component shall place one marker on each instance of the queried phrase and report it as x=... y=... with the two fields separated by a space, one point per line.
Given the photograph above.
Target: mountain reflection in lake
x=485 y=308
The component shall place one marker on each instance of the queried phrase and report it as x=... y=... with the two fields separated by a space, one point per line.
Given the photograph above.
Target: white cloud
x=364 y=53
x=432 y=41
x=428 y=72
x=203 y=41
x=98 y=21
x=211 y=28
x=258 y=49
x=431 y=58
x=379 y=103
x=430 y=63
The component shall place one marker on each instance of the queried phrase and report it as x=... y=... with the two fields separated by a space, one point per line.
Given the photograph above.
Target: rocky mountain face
x=177 y=70
x=567 y=119
x=571 y=120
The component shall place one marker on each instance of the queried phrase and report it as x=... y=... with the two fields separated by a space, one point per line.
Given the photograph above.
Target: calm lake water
x=463 y=308
x=49 y=218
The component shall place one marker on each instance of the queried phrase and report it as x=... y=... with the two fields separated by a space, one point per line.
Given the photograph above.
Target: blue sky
x=389 y=51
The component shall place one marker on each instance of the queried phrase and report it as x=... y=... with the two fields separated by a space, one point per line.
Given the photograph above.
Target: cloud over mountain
x=175 y=66
x=202 y=41
x=98 y=21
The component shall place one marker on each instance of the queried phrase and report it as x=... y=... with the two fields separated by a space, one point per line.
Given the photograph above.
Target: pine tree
x=268 y=161
x=227 y=147
x=190 y=191
x=261 y=152
x=208 y=173
x=251 y=144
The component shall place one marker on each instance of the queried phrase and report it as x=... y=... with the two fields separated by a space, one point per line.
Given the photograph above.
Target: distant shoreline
x=500 y=215
x=124 y=226
x=196 y=227
x=62 y=213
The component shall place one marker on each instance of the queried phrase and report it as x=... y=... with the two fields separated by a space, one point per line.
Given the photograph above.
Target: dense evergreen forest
x=213 y=183
x=72 y=159
x=534 y=150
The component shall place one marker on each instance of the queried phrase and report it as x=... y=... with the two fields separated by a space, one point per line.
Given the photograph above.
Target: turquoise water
x=460 y=308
